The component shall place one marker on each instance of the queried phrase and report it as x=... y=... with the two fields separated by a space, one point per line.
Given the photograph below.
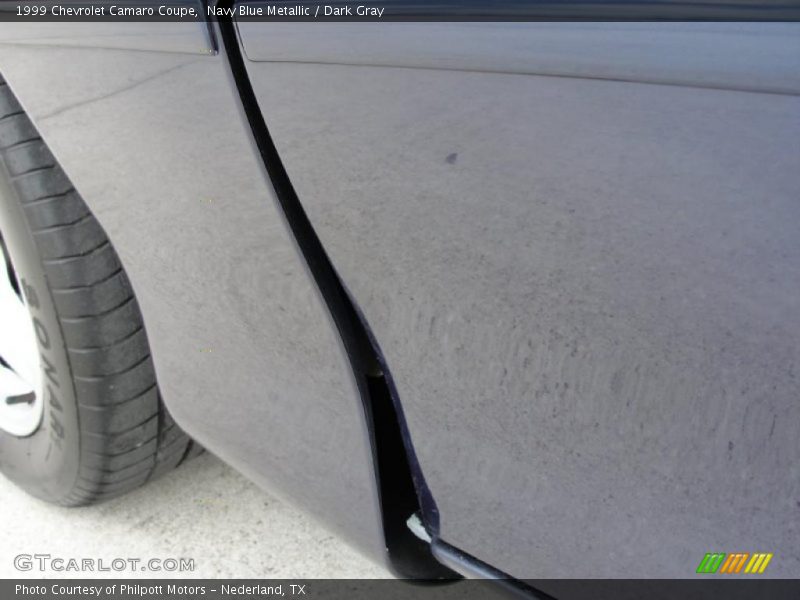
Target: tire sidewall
x=45 y=463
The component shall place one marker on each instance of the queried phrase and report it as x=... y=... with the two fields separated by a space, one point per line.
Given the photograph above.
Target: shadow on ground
x=204 y=510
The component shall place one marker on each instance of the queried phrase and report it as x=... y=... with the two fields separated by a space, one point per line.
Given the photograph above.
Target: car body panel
x=586 y=289
x=246 y=356
x=746 y=56
x=583 y=273
x=166 y=36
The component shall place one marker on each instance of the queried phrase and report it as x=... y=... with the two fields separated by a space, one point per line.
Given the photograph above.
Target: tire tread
x=127 y=435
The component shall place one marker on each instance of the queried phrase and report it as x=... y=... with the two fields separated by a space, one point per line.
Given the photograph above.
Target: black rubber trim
x=400 y=483
x=473 y=568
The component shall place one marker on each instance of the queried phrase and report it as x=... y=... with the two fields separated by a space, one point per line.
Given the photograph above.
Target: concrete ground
x=204 y=510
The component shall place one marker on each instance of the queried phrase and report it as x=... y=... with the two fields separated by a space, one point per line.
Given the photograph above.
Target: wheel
x=81 y=419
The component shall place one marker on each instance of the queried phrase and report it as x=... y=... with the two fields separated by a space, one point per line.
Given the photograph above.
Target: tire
x=103 y=430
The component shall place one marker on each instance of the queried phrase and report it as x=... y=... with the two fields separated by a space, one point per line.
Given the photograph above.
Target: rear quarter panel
x=248 y=362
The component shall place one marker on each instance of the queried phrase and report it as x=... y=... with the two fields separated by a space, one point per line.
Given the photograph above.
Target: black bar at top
x=407 y=10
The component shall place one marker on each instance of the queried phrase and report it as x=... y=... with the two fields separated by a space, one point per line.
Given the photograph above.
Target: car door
x=577 y=245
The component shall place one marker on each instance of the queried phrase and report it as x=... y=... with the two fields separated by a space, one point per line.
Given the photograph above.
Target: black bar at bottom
x=712 y=588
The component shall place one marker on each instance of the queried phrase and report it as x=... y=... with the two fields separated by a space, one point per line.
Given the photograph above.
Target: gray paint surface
x=753 y=56
x=587 y=293
x=170 y=37
x=246 y=357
